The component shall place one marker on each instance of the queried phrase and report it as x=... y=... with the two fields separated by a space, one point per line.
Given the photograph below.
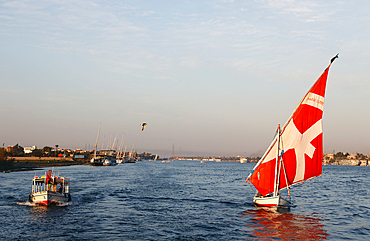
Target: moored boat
x=50 y=190
x=295 y=154
x=110 y=162
x=97 y=161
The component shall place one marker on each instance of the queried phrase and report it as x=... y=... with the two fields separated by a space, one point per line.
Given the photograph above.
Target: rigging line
x=250 y=186
x=274 y=139
x=285 y=175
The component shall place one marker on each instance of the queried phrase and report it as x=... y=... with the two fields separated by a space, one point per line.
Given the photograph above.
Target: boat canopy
x=57 y=180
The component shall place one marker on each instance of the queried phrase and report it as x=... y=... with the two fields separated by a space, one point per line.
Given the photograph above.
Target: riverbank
x=348 y=162
x=34 y=163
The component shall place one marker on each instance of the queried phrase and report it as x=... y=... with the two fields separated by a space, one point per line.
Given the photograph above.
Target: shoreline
x=347 y=162
x=35 y=163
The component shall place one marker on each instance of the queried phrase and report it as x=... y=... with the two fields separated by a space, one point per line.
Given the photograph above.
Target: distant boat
x=243 y=160
x=166 y=161
x=203 y=161
x=295 y=155
x=50 y=189
x=110 y=162
x=97 y=161
x=130 y=160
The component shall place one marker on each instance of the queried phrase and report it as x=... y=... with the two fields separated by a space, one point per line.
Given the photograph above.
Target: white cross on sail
x=293 y=139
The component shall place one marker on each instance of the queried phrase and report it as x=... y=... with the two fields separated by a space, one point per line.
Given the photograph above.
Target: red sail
x=301 y=142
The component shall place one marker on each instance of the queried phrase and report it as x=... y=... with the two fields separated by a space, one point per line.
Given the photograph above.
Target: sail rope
x=262 y=158
x=285 y=174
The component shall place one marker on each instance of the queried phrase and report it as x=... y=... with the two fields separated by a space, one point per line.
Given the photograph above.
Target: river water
x=185 y=200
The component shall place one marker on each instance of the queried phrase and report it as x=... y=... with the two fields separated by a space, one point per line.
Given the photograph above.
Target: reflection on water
x=268 y=223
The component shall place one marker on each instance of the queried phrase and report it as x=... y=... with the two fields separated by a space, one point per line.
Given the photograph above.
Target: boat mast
x=277 y=162
x=278 y=177
x=131 y=155
x=120 y=147
x=114 y=142
x=102 y=147
x=96 y=143
x=124 y=153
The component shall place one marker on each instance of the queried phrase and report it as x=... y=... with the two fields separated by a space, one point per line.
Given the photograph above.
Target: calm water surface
x=185 y=200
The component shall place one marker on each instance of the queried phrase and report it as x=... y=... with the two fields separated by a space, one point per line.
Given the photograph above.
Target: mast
x=277 y=161
x=124 y=153
x=110 y=142
x=102 y=147
x=120 y=146
x=279 y=172
x=173 y=151
x=131 y=154
x=96 y=143
x=114 y=142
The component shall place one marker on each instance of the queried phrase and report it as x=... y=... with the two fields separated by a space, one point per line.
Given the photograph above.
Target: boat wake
x=27 y=203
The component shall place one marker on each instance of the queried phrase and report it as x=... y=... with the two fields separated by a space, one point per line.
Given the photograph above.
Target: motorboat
x=50 y=189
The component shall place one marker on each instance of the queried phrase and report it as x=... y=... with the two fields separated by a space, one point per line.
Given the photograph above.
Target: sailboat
x=295 y=154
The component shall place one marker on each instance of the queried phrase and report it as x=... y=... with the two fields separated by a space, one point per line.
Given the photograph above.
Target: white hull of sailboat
x=271 y=201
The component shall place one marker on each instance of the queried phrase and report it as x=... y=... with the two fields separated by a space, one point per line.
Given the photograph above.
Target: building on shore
x=342 y=158
x=28 y=150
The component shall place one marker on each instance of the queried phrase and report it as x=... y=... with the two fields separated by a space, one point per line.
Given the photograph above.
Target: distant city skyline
x=214 y=77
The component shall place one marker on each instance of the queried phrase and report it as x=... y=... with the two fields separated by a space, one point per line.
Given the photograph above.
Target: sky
x=208 y=77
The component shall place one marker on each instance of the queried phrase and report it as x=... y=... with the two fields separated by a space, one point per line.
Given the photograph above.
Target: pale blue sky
x=214 y=77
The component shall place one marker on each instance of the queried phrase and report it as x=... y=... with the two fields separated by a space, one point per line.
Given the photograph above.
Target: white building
x=29 y=149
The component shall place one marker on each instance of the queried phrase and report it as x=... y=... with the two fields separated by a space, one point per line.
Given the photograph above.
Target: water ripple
x=185 y=201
